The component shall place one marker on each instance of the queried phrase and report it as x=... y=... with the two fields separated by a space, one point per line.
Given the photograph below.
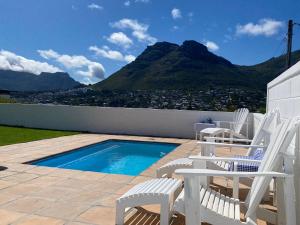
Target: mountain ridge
x=25 y=81
x=167 y=65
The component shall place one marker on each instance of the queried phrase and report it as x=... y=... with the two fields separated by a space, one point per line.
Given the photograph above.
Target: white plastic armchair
x=268 y=122
x=203 y=208
x=235 y=126
x=218 y=209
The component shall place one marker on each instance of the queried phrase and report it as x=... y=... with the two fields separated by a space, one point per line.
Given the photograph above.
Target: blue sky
x=91 y=39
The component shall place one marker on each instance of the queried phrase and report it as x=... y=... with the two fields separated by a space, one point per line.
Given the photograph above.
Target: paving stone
x=20 y=177
x=9 y=217
x=62 y=210
x=28 y=204
x=39 y=220
x=5 y=184
x=5 y=198
x=98 y=215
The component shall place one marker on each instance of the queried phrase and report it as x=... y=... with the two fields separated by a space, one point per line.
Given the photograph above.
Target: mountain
x=189 y=66
x=24 y=81
x=270 y=69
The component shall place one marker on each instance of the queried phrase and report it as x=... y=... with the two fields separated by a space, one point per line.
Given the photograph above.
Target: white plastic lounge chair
x=209 y=206
x=262 y=135
x=199 y=203
x=156 y=191
x=233 y=128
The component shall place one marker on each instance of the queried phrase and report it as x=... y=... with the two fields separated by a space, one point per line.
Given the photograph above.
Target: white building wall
x=257 y=118
x=284 y=94
x=147 y=122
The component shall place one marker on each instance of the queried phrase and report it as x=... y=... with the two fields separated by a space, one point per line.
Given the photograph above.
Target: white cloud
x=130 y=24
x=144 y=37
x=129 y=58
x=48 y=54
x=95 y=6
x=12 y=61
x=176 y=13
x=190 y=14
x=175 y=27
x=143 y=1
x=81 y=64
x=266 y=27
x=111 y=54
x=212 y=46
x=121 y=39
x=139 y=30
x=128 y=3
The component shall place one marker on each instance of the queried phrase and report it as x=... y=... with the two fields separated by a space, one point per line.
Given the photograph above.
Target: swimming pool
x=111 y=156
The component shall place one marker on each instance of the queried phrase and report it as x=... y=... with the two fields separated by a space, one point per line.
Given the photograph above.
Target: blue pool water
x=112 y=156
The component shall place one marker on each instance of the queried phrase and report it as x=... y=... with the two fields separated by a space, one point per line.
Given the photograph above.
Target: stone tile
x=108 y=200
x=44 y=181
x=9 y=217
x=65 y=173
x=39 y=220
x=41 y=170
x=56 y=193
x=5 y=184
x=90 y=176
x=77 y=223
x=75 y=183
x=6 y=173
x=20 y=177
x=28 y=204
x=21 y=189
x=5 y=198
x=63 y=210
x=98 y=215
x=91 y=198
x=106 y=186
x=123 y=179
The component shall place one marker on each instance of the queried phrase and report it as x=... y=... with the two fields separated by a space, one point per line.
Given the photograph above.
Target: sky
x=91 y=39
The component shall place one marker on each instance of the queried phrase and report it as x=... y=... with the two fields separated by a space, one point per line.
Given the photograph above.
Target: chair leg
x=120 y=214
x=235 y=188
x=165 y=213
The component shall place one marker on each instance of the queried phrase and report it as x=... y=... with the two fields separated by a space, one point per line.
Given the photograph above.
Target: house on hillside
x=4 y=94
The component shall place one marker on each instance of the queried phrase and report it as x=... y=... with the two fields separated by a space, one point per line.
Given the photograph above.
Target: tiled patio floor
x=32 y=195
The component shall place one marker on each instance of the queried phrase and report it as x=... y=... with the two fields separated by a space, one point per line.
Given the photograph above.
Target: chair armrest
x=229 y=139
x=229 y=145
x=226 y=159
x=214 y=173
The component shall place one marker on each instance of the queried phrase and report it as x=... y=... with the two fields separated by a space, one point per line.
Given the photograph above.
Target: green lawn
x=13 y=135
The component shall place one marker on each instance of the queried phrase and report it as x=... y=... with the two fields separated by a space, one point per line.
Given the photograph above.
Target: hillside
x=23 y=81
x=270 y=69
x=189 y=66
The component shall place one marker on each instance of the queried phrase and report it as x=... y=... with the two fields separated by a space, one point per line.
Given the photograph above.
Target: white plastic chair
x=209 y=206
x=207 y=148
x=233 y=128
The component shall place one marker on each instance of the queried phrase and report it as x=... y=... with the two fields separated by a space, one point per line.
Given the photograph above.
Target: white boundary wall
x=284 y=94
x=131 y=121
